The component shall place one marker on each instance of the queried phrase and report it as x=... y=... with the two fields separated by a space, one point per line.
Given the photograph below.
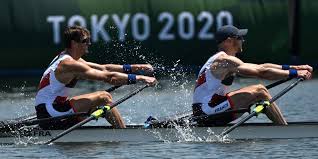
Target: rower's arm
x=255 y=70
x=271 y=65
x=94 y=65
x=297 y=67
x=226 y=64
x=82 y=70
x=145 y=69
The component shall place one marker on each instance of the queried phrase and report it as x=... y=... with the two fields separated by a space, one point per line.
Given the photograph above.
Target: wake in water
x=186 y=133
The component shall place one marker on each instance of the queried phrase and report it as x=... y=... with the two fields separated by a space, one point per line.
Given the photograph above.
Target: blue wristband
x=132 y=79
x=127 y=68
x=285 y=67
x=141 y=72
x=293 y=73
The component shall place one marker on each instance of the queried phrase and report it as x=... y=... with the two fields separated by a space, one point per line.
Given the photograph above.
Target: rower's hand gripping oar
x=261 y=107
x=97 y=114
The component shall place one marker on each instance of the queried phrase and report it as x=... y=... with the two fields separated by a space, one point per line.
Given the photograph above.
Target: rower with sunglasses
x=53 y=98
x=211 y=95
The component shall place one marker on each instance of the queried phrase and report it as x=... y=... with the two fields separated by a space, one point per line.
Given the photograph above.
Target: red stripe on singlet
x=45 y=81
x=201 y=79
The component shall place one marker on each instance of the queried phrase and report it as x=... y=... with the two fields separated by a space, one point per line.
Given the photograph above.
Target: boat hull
x=137 y=133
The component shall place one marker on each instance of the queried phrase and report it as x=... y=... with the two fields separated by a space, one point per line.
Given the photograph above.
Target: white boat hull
x=139 y=134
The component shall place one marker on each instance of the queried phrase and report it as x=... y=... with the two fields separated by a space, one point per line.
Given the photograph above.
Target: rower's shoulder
x=67 y=62
x=225 y=64
x=225 y=58
x=221 y=56
x=72 y=64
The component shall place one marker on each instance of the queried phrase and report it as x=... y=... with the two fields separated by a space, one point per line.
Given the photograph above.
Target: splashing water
x=188 y=133
x=21 y=138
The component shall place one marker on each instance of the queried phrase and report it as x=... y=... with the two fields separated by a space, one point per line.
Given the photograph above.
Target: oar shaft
x=238 y=124
x=255 y=113
x=128 y=96
x=12 y=125
x=44 y=120
x=31 y=119
x=71 y=129
x=241 y=110
x=278 y=83
x=95 y=117
x=112 y=88
x=190 y=117
x=284 y=91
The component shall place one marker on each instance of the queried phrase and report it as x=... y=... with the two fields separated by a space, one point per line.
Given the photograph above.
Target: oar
x=243 y=110
x=278 y=83
x=153 y=122
x=31 y=119
x=24 y=118
x=15 y=124
x=112 y=88
x=259 y=108
x=98 y=113
x=218 y=115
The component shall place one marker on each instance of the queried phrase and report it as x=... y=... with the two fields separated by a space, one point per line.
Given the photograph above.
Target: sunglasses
x=239 y=38
x=84 y=41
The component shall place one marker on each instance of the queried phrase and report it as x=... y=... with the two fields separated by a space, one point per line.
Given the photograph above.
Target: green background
x=27 y=37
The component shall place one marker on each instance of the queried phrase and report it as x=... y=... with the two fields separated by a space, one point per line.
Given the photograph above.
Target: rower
x=211 y=95
x=53 y=98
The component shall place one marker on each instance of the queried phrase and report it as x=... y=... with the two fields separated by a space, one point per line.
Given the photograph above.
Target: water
x=169 y=98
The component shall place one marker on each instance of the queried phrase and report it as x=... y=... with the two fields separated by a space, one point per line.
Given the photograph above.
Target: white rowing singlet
x=51 y=91
x=207 y=86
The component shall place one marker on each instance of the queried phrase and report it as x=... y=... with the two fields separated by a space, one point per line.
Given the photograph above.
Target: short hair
x=75 y=33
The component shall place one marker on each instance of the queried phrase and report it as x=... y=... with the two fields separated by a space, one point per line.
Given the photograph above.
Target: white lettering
x=121 y=25
x=76 y=20
x=98 y=28
x=221 y=108
x=56 y=20
x=141 y=26
x=204 y=33
x=182 y=19
x=144 y=19
x=224 y=15
x=165 y=34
